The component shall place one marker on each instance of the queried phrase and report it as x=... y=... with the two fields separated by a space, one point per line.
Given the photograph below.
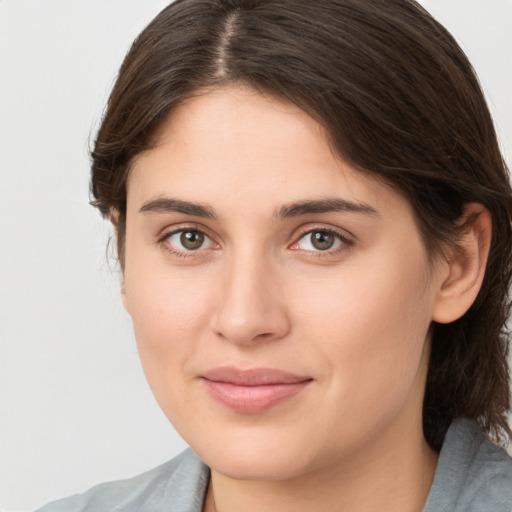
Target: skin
x=354 y=319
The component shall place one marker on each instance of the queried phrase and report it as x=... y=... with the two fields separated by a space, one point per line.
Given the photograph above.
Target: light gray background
x=74 y=406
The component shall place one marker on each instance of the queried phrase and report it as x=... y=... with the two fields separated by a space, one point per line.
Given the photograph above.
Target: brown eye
x=191 y=240
x=320 y=240
x=188 y=240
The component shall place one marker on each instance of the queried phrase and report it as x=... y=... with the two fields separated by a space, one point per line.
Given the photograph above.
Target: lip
x=254 y=390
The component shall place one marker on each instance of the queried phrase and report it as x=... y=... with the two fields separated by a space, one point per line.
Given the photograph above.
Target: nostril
x=263 y=335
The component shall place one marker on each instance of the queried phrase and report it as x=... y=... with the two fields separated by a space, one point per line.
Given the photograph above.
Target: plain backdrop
x=75 y=409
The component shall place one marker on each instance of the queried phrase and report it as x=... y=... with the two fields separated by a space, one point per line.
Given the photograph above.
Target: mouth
x=252 y=391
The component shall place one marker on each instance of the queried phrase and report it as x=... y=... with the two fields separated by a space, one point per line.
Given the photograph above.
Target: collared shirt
x=472 y=475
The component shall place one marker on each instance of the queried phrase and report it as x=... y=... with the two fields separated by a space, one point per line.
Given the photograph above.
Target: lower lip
x=253 y=399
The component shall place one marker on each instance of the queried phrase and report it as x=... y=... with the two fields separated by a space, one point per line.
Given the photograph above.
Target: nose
x=251 y=307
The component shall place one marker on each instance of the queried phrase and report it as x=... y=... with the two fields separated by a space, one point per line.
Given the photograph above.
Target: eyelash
x=162 y=241
x=345 y=242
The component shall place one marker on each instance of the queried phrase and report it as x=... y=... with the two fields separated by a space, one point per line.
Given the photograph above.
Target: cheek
x=371 y=328
x=169 y=315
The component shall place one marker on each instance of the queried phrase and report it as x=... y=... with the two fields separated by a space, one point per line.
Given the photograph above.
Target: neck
x=391 y=474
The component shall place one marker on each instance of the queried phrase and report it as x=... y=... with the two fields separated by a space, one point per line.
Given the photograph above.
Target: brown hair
x=399 y=100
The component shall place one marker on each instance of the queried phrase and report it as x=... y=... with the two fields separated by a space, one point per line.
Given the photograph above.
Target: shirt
x=472 y=475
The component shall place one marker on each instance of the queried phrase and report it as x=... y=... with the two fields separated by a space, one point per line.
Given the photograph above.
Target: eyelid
x=183 y=226
x=344 y=236
x=169 y=231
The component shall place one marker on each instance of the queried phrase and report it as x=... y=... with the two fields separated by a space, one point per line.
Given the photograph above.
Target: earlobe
x=113 y=217
x=466 y=265
x=123 y=294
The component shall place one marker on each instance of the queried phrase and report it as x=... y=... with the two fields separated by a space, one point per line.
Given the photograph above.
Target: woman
x=313 y=222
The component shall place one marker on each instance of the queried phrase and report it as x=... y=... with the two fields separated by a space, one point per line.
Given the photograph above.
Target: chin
x=255 y=454
x=255 y=467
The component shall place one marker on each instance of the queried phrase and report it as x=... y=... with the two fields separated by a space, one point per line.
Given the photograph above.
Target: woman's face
x=281 y=300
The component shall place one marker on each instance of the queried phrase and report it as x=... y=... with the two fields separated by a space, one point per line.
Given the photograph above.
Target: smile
x=252 y=391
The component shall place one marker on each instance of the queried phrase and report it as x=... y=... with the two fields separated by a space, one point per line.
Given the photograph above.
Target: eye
x=186 y=240
x=320 y=240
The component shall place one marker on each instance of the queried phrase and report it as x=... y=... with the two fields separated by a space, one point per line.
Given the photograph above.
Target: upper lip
x=252 y=376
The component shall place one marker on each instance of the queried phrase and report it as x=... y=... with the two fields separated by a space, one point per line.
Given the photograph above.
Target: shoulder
x=473 y=474
x=176 y=486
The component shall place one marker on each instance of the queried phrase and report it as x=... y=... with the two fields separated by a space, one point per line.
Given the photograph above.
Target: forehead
x=234 y=146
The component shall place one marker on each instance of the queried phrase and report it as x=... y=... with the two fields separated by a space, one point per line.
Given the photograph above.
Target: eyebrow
x=296 y=209
x=325 y=206
x=171 y=205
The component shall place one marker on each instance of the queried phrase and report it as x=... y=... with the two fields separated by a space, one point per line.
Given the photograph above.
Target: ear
x=113 y=217
x=464 y=271
x=123 y=292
